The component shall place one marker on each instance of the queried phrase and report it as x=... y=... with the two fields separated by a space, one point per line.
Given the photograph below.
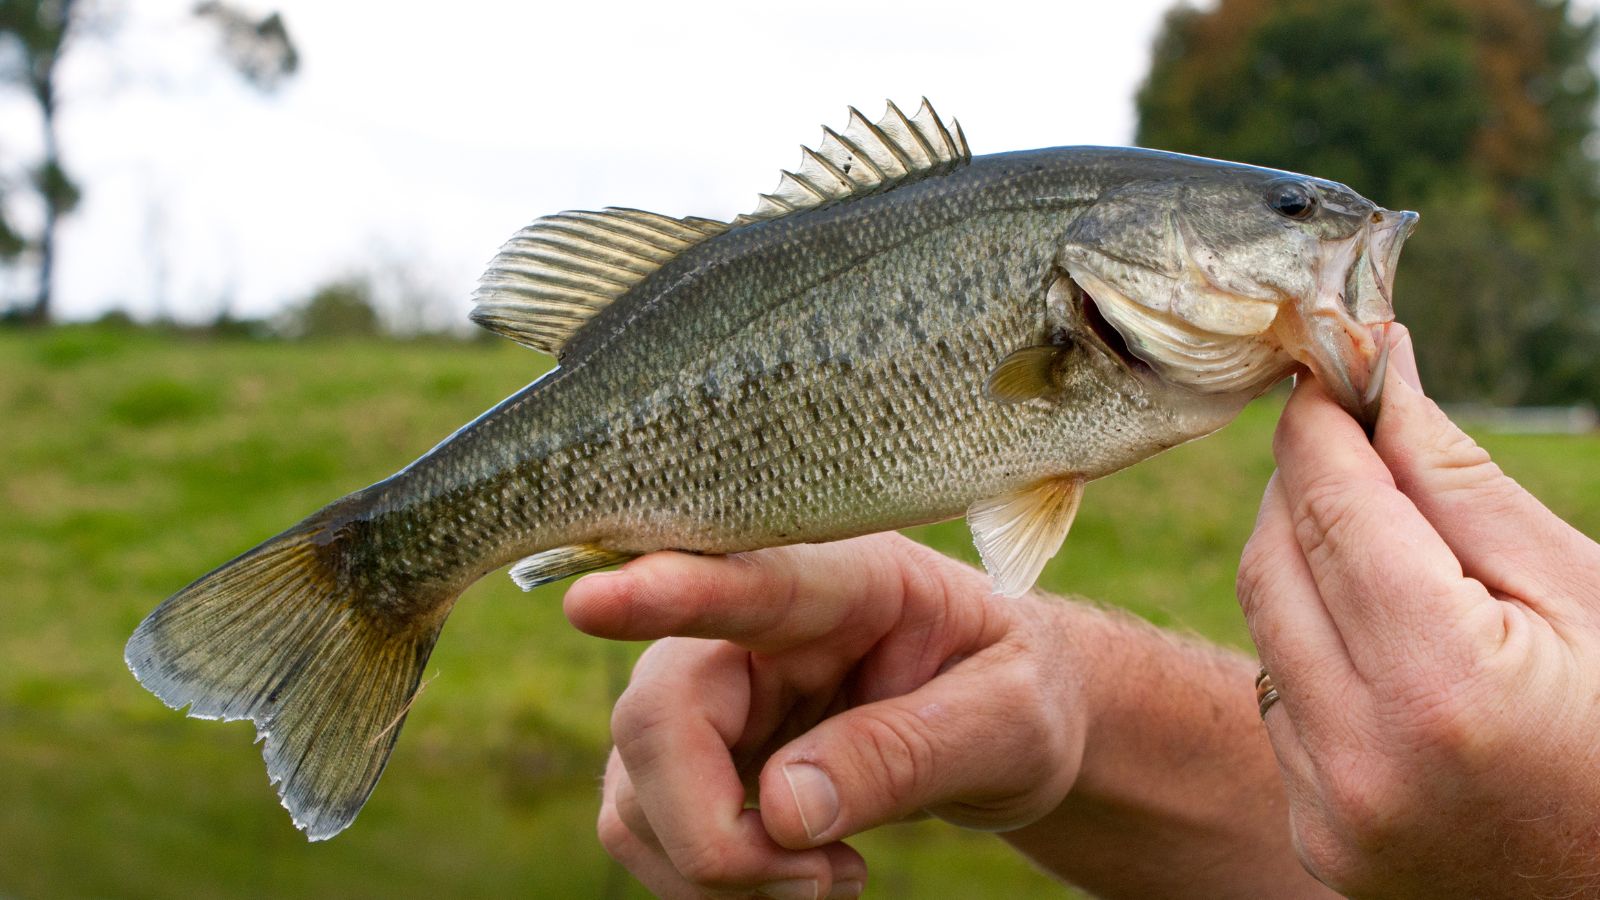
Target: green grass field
x=131 y=463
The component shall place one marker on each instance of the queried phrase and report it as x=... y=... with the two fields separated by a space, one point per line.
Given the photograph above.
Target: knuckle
x=903 y=574
x=1035 y=728
x=1331 y=519
x=1323 y=854
x=1348 y=796
x=928 y=577
x=614 y=834
x=1366 y=803
x=639 y=712
x=775 y=574
x=1324 y=506
x=1258 y=567
x=1483 y=480
x=711 y=867
x=1268 y=567
x=893 y=752
x=1440 y=721
x=1033 y=738
x=1449 y=461
x=921 y=578
x=1012 y=686
x=1451 y=450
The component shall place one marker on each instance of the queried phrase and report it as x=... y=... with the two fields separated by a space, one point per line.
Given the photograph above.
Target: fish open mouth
x=1107 y=334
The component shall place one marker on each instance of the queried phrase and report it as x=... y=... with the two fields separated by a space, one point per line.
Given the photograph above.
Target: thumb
x=982 y=748
x=1502 y=534
x=1403 y=355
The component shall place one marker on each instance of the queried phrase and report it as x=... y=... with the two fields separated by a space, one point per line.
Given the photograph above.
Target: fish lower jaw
x=1347 y=356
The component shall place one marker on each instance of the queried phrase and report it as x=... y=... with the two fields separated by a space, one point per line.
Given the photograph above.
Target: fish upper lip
x=1382 y=251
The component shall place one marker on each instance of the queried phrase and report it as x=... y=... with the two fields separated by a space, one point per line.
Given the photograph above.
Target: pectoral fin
x=1018 y=532
x=1025 y=374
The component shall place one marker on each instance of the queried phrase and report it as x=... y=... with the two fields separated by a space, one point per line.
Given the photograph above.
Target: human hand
x=1434 y=634
x=841 y=686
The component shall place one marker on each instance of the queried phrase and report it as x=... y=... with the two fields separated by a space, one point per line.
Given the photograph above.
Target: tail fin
x=273 y=637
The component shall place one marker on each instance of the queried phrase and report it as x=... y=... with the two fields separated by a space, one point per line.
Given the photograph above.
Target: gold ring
x=1266 y=692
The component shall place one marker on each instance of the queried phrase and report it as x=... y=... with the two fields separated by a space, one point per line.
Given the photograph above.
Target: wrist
x=1177 y=792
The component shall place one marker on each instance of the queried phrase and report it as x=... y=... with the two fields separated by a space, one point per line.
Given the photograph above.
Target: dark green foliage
x=337 y=309
x=1473 y=112
x=59 y=191
x=39 y=30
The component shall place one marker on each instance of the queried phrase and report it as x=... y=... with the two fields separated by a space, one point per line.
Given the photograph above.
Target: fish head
x=1230 y=277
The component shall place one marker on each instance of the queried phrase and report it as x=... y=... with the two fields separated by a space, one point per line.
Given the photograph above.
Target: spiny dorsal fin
x=865 y=159
x=555 y=274
x=1017 y=533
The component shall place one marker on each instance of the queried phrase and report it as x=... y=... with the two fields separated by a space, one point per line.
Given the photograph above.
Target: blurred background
x=236 y=245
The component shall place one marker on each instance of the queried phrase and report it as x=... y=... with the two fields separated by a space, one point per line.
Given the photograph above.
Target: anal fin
x=1016 y=533
x=559 y=562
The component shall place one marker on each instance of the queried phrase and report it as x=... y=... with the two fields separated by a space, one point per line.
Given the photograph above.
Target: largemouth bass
x=901 y=333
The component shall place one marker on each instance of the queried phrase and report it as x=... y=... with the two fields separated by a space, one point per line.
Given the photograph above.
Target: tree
x=34 y=37
x=39 y=32
x=341 y=308
x=1474 y=112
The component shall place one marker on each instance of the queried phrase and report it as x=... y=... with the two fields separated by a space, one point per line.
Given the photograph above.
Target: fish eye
x=1292 y=198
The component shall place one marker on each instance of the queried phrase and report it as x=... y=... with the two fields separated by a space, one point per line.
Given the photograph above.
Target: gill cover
x=1195 y=320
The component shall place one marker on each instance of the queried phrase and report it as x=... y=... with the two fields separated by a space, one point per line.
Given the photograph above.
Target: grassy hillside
x=131 y=463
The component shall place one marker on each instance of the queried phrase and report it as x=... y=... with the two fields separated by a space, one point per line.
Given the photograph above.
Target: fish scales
x=762 y=305
x=900 y=334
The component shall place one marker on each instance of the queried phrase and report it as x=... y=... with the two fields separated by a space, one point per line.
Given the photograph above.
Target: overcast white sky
x=423 y=142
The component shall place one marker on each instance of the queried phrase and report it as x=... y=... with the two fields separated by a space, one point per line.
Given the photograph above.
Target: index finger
x=766 y=600
x=673 y=728
x=1392 y=586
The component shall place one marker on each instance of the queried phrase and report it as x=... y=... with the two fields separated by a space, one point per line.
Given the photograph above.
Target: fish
x=900 y=333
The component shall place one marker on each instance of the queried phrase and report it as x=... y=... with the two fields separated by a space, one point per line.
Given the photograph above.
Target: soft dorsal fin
x=1017 y=533
x=555 y=274
x=865 y=159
